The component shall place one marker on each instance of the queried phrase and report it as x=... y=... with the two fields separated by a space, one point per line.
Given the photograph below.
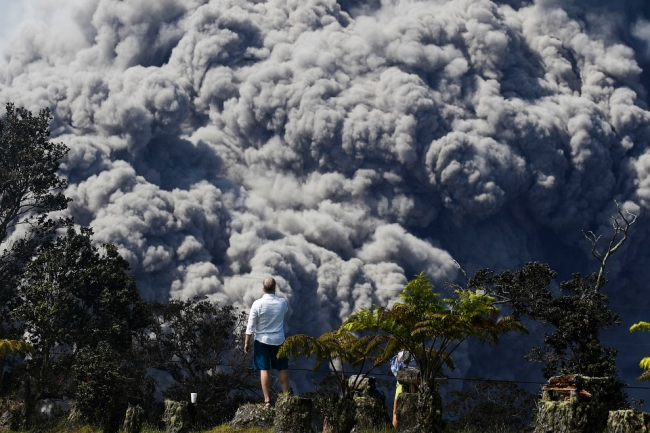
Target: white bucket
x=193 y=396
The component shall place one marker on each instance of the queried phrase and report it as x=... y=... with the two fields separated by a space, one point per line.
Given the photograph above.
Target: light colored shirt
x=266 y=319
x=398 y=362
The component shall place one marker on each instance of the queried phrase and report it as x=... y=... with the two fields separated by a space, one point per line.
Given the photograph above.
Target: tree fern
x=429 y=327
x=645 y=362
x=338 y=349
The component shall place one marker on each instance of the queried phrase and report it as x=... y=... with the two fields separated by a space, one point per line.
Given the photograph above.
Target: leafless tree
x=621 y=225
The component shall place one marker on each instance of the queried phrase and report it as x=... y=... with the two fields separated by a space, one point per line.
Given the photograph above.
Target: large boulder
x=292 y=415
x=370 y=413
x=253 y=415
x=420 y=412
x=407 y=409
x=628 y=421
x=133 y=420
x=176 y=417
x=409 y=378
x=563 y=416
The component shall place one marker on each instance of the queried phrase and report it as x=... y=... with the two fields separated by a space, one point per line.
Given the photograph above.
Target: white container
x=193 y=396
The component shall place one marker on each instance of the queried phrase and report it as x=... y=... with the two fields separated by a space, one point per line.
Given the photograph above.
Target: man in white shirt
x=266 y=323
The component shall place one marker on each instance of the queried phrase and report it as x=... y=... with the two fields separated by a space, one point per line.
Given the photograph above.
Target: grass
x=225 y=428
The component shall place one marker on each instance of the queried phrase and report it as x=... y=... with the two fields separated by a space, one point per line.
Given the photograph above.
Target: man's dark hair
x=269 y=285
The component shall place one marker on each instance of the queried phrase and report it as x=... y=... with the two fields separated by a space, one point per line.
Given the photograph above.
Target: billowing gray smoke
x=345 y=149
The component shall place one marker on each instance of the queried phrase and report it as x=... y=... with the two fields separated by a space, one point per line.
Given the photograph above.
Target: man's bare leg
x=395 y=413
x=283 y=375
x=265 y=378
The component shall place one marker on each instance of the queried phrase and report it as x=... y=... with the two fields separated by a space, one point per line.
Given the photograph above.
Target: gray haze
x=344 y=148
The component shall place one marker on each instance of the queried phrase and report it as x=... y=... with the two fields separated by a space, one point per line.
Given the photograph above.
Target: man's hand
x=247 y=344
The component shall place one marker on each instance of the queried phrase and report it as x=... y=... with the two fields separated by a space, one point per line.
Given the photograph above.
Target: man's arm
x=251 y=327
x=247 y=344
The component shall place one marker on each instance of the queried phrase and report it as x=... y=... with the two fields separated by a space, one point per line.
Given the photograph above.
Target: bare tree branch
x=462 y=270
x=621 y=226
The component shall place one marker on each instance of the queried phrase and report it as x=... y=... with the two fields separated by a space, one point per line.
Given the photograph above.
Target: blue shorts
x=265 y=357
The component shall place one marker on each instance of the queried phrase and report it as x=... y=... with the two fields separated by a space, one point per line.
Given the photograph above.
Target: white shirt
x=266 y=319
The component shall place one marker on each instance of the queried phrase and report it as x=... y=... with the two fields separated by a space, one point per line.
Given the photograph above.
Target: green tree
x=197 y=342
x=431 y=329
x=29 y=184
x=106 y=382
x=29 y=189
x=578 y=313
x=73 y=297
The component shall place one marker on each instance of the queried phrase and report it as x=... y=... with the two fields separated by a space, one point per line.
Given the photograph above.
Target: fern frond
x=641 y=326
x=645 y=376
x=645 y=363
x=441 y=357
x=15 y=347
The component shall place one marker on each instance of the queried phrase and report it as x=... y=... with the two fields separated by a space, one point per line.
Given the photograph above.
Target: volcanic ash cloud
x=216 y=142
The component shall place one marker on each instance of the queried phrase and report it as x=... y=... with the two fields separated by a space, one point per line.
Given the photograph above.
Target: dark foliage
x=578 y=314
x=29 y=183
x=106 y=382
x=73 y=299
x=29 y=189
x=198 y=343
x=490 y=405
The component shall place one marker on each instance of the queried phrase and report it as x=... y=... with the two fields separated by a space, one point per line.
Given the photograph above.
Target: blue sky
x=17 y=13
x=13 y=13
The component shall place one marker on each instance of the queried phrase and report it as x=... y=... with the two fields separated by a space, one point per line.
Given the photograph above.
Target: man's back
x=266 y=320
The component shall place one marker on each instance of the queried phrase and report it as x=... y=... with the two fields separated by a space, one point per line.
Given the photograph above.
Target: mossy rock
x=292 y=415
x=628 y=421
x=253 y=415
x=176 y=417
x=363 y=385
x=565 y=417
x=133 y=420
x=419 y=413
x=370 y=413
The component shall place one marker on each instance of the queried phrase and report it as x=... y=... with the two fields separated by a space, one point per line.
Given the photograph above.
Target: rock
x=370 y=413
x=293 y=415
x=341 y=416
x=628 y=421
x=176 y=417
x=563 y=416
x=11 y=418
x=572 y=404
x=364 y=385
x=253 y=415
x=133 y=420
x=52 y=407
x=407 y=407
x=420 y=412
x=409 y=378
